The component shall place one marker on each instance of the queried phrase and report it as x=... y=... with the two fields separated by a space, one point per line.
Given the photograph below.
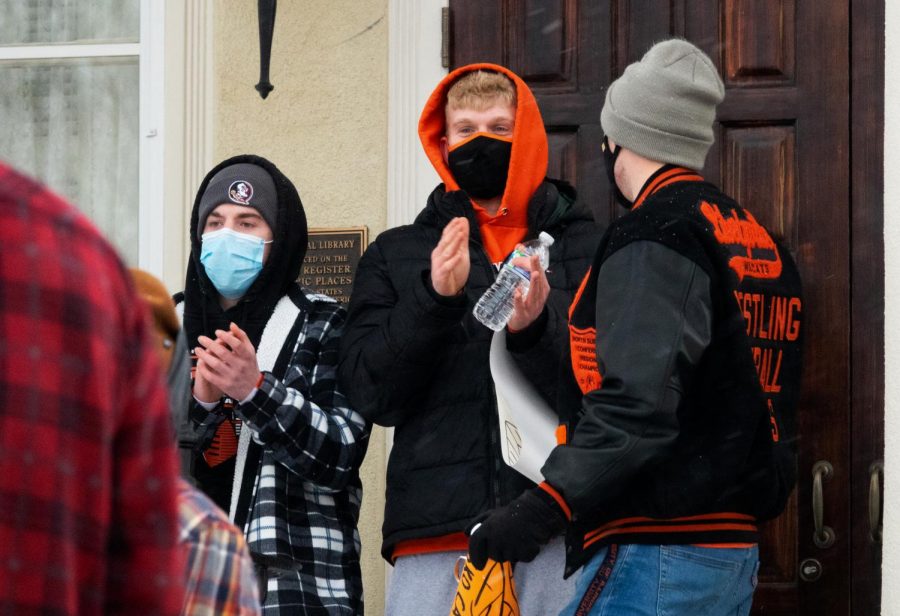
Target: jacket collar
x=665 y=176
x=553 y=202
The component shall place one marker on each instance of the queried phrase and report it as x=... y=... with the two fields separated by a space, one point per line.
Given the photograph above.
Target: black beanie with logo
x=240 y=184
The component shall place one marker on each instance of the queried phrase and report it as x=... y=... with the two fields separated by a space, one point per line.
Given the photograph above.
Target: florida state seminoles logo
x=241 y=192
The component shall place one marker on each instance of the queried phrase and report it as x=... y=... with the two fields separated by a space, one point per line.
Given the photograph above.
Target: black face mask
x=609 y=158
x=480 y=166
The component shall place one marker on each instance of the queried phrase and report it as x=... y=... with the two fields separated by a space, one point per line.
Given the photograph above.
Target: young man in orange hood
x=415 y=358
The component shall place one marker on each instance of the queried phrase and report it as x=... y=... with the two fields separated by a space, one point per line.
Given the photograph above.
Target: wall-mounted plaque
x=331 y=259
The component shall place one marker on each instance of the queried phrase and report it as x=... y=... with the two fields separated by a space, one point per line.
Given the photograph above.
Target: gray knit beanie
x=664 y=106
x=242 y=184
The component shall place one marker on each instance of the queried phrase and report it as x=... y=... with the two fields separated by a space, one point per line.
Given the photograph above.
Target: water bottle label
x=524 y=273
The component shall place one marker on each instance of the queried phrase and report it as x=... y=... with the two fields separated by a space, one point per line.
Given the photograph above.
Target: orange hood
x=527 y=164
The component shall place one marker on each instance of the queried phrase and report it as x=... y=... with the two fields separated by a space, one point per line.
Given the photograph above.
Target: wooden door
x=783 y=151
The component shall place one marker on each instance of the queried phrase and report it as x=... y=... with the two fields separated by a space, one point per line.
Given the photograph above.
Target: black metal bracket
x=266 y=10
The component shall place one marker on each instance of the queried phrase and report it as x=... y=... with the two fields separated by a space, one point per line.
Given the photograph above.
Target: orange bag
x=489 y=592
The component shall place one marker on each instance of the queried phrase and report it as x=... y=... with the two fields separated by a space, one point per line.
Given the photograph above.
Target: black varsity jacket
x=683 y=376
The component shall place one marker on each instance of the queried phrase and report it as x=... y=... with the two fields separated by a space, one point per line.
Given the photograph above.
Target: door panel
x=639 y=24
x=760 y=38
x=764 y=152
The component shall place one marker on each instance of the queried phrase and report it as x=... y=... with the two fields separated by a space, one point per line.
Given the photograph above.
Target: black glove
x=517 y=531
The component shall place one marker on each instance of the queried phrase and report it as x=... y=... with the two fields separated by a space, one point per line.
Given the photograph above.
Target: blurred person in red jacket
x=88 y=475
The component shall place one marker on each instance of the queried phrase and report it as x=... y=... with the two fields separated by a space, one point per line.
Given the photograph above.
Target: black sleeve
x=538 y=348
x=654 y=321
x=389 y=345
x=303 y=420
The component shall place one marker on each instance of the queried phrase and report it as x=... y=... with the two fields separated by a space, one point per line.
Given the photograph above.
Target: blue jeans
x=666 y=580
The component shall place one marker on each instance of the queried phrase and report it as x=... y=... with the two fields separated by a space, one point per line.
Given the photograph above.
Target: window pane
x=74 y=125
x=69 y=21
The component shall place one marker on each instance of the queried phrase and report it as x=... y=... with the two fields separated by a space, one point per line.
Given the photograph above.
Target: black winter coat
x=419 y=362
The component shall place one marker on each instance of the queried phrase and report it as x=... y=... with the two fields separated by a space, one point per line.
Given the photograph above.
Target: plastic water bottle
x=496 y=305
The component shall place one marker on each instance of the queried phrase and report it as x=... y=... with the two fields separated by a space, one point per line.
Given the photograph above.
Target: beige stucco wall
x=325 y=126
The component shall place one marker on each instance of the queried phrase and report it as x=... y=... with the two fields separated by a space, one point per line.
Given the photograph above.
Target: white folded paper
x=527 y=423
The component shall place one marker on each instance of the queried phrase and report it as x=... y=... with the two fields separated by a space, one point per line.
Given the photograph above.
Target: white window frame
x=151 y=208
x=150 y=52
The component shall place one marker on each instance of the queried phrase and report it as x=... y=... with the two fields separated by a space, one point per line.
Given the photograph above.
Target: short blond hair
x=479 y=90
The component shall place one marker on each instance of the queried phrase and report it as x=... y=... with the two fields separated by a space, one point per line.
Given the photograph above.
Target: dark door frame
x=866 y=290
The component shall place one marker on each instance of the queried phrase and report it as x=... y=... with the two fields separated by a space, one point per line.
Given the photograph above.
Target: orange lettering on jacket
x=583 y=344
x=770 y=317
x=776 y=435
x=768 y=366
x=749 y=237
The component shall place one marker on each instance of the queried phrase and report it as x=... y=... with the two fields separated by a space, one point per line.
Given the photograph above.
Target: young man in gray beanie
x=681 y=377
x=280 y=446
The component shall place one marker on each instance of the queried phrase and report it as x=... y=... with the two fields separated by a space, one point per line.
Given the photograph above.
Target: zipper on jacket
x=496 y=455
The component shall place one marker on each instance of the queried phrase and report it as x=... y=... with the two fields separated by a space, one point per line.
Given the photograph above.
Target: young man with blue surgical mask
x=279 y=446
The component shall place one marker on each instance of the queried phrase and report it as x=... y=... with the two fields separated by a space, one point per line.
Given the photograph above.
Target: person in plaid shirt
x=88 y=471
x=219 y=578
x=280 y=446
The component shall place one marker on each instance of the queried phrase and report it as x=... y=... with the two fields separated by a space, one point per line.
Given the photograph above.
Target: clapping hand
x=450 y=259
x=227 y=364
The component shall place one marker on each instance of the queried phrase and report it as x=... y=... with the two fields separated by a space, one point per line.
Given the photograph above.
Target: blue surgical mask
x=232 y=260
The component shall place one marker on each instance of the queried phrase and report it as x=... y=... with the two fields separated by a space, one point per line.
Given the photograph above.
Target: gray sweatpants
x=425 y=586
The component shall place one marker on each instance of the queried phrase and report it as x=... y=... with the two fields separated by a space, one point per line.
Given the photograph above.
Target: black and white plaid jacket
x=300 y=497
